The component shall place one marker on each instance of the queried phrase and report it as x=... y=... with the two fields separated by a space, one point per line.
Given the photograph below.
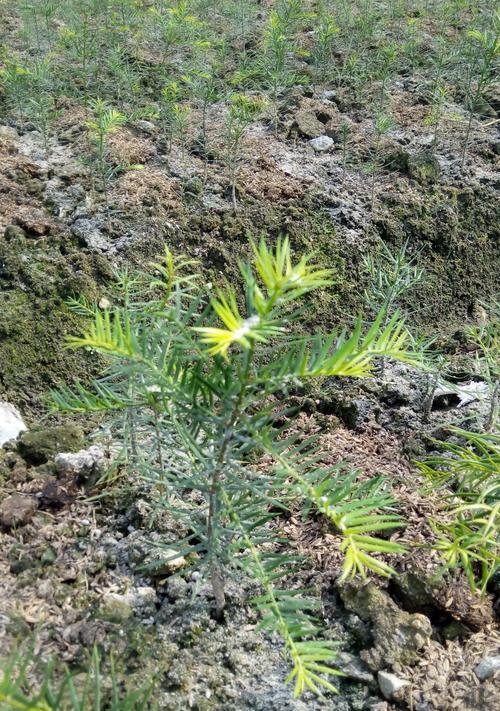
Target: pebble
x=390 y=684
x=321 y=144
x=17 y=510
x=487 y=667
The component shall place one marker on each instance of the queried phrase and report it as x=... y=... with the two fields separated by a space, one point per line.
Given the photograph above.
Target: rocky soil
x=83 y=563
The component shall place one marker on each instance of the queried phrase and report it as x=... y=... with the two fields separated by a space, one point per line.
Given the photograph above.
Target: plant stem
x=216 y=574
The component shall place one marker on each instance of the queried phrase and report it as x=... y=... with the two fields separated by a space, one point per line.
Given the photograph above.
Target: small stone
x=45 y=589
x=378 y=706
x=321 y=144
x=17 y=510
x=354 y=668
x=90 y=234
x=487 y=667
x=164 y=562
x=145 y=601
x=391 y=685
x=117 y=608
x=329 y=95
x=147 y=127
x=177 y=589
x=11 y=422
x=84 y=464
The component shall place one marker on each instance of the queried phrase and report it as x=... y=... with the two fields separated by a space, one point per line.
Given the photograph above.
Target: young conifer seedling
x=214 y=368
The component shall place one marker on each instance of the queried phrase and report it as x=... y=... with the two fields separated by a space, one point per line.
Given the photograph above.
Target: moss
x=457 y=233
x=36 y=276
x=39 y=445
x=455 y=230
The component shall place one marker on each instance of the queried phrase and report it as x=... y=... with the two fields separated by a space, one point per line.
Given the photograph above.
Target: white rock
x=466 y=392
x=390 y=684
x=11 y=422
x=329 y=95
x=83 y=463
x=487 y=667
x=321 y=144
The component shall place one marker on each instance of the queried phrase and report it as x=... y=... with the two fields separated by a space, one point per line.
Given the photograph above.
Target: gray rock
x=147 y=127
x=307 y=125
x=378 y=706
x=17 y=510
x=321 y=144
x=85 y=464
x=117 y=608
x=11 y=422
x=487 y=667
x=329 y=95
x=398 y=636
x=391 y=685
x=354 y=668
x=144 y=600
x=90 y=234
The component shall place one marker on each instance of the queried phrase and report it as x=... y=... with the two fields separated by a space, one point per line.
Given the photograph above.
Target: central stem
x=216 y=574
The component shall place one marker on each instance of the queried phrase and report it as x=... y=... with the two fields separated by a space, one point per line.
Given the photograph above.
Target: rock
x=90 y=234
x=37 y=446
x=35 y=221
x=177 y=589
x=353 y=668
x=424 y=167
x=351 y=410
x=391 y=686
x=17 y=510
x=117 y=608
x=307 y=125
x=321 y=144
x=147 y=127
x=85 y=464
x=378 y=706
x=398 y=636
x=11 y=422
x=144 y=601
x=446 y=396
x=163 y=561
x=329 y=95
x=487 y=667
x=8 y=133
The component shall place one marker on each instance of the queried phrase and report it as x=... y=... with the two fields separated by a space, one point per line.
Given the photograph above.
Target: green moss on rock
x=38 y=446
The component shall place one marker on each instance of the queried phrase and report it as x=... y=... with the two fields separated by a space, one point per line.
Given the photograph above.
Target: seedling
x=103 y=122
x=243 y=110
x=173 y=115
x=484 y=48
x=213 y=368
